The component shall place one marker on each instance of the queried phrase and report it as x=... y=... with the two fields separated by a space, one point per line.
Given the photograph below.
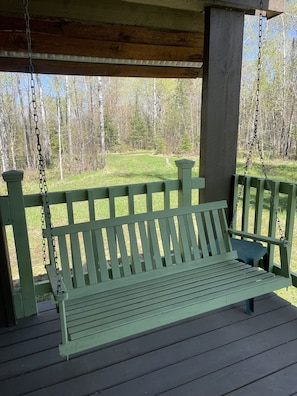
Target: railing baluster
x=246 y=204
x=259 y=206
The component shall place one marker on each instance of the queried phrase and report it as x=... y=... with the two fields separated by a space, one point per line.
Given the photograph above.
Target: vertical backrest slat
x=154 y=244
x=209 y=232
x=219 y=231
x=112 y=246
x=136 y=263
x=175 y=241
x=145 y=246
x=63 y=251
x=224 y=226
x=201 y=235
x=102 y=261
x=78 y=275
x=184 y=236
x=193 y=237
x=92 y=216
x=165 y=237
x=123 y=250
x=92 y=271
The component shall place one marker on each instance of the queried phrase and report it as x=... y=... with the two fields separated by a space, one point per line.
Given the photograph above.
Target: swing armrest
x=282 y=243
x=58 y=286
x=260 y=238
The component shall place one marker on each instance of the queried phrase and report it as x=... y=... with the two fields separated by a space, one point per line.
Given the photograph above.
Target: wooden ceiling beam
x=91 y=69
x=104 y=31
x=105 y=41
x=108 y=11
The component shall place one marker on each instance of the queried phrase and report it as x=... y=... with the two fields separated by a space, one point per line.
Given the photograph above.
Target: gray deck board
x=221 y=352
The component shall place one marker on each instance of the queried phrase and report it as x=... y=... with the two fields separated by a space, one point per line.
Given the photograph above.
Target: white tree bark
x=101 y=121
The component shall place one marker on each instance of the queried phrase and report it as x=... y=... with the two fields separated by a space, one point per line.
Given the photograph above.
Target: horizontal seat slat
x=177 y=313
x=116 y=314
x=149 y=288
x=172 y=296
x=123 y=302
x=136 y=313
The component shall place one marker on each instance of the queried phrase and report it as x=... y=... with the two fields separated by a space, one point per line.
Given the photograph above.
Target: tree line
x=82 y=118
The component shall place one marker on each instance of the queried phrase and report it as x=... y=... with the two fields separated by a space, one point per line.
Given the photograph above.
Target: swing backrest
x=106 y=250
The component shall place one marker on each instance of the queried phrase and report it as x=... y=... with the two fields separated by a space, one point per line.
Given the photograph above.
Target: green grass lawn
x=129 y=169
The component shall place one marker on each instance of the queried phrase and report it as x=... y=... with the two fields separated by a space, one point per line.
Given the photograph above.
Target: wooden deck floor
x=222 y=352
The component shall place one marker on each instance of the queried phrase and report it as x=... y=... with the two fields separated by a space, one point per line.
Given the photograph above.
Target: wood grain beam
x=91 y=69
x=108 y=11
x=105 y=41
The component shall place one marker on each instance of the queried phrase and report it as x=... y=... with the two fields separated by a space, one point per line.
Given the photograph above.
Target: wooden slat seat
x=126 y=275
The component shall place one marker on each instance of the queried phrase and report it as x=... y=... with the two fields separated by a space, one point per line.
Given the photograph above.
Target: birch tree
x=43 y=118
x=101 y=123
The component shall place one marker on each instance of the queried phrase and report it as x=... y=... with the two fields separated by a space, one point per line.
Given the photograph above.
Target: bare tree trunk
x=26 y=127
x=46 y=138
x=68 y=119
x=3 y=141
x=81 y=138
x=60 y=136
x=101 y=121
x=91 y=125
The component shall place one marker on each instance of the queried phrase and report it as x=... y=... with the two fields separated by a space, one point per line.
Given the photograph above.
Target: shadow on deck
x=221 y=352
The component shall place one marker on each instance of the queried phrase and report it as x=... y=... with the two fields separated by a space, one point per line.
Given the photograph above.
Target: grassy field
x=128 y=169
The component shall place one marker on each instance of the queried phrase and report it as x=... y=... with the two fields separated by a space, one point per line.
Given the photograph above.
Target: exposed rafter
x=145 y=38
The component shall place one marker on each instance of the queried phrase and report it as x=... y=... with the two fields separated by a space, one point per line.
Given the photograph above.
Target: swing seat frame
x=123 y=276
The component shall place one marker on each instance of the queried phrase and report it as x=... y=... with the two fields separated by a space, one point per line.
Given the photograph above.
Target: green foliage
x=160 y=146
x=111 y=134
x=185 y=144
x=139 y=133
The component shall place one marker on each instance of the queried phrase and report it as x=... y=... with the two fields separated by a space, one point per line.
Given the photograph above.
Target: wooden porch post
x=184 y=174
x=7 y=313
x=220 y=102
x=13 y=179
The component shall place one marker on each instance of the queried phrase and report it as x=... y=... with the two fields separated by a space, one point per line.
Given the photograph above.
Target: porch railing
x=84 y=205
x=267 y=207
x=257 y=211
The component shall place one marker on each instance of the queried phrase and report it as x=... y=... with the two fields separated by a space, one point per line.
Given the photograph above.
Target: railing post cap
x=184 y=163
x=13 y=176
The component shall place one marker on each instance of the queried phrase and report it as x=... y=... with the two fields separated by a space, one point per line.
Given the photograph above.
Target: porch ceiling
x=138 y=38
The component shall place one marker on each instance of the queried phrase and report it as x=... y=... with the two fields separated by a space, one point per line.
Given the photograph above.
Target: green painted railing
x=84 y=205
x=267 y=207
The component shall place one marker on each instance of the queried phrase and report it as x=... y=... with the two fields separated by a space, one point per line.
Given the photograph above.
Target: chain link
x=43 y=187
x=255 y=140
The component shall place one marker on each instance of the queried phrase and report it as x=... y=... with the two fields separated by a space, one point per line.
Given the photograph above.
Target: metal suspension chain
x=255 y=139
x=45 y=207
